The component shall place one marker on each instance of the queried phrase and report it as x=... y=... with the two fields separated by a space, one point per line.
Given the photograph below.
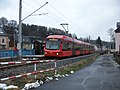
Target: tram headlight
x=57 y=53
x=45 y=52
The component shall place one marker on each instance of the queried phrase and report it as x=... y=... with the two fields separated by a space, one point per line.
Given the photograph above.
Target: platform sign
x=18 y=46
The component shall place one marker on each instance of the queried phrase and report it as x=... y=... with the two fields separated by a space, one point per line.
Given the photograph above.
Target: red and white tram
x=63 y=46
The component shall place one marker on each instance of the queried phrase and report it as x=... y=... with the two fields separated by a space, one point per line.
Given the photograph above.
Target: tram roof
x=61 y=37
x=67 y=38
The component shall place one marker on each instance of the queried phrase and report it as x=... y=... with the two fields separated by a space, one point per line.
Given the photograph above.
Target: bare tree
x=3 y=21
x=12 y=23
x=111 y=32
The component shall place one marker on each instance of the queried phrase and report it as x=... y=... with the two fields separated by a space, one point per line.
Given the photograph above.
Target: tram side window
x=89 y=48
x=84 y=47
x=77 y=46
x=64 y=45
x=80 y=46
x=67 y=46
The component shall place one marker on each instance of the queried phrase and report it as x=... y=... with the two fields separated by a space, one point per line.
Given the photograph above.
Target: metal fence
x=10 y=53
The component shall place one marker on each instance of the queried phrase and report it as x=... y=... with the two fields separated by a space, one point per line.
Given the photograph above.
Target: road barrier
x=25 y=62
x=23 y=75
x=38 y=66
x=31 y=73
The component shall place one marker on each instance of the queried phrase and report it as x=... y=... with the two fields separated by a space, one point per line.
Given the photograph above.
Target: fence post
x=55 y=67
x=35 y=70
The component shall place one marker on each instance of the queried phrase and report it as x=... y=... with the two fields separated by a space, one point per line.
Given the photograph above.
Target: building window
x=3 y=40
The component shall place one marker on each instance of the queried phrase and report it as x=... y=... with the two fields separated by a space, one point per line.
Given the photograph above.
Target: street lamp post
x=20 y=30
x=19 y=45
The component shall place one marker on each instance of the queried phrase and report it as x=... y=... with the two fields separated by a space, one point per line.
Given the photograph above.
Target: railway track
x=4 y=65
x=17 y=69
x=13 y=69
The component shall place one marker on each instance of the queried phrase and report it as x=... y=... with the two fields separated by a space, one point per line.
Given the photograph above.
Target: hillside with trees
x=10 y=27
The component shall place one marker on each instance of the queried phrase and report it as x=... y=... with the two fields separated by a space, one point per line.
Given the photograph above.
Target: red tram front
x=56 y=46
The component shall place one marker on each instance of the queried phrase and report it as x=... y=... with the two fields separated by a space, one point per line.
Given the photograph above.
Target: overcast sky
x=85 y=17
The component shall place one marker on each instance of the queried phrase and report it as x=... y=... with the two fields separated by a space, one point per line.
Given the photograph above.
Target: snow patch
x=71 y=72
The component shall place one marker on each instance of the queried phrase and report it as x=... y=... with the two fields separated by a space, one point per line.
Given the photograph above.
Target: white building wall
x=4 y=41
x=117 y=42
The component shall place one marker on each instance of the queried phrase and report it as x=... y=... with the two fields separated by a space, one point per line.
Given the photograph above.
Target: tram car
x=64 y=46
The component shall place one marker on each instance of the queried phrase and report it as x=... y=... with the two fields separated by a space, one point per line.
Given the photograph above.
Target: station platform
x=25 y=56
